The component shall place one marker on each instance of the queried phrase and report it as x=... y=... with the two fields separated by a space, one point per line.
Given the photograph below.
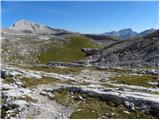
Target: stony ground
x=79 y=92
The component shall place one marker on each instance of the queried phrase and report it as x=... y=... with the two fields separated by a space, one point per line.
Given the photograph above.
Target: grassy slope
x=137 y=80
x=69 y=51
x=31 y=50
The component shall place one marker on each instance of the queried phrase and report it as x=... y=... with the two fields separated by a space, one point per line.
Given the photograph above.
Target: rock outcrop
x=89 y=51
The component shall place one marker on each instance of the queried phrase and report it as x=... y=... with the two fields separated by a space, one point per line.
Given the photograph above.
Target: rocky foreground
x=78 y=92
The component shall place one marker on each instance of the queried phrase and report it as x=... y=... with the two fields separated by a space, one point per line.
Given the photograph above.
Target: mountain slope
x=68 y=51
x=146 y=32
x=30 y=27
x=41 y=49
x=135 y=52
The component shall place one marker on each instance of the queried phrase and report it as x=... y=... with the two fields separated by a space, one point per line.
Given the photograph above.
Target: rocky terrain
x=45 y=92
x=57 y=74
x=135 y=52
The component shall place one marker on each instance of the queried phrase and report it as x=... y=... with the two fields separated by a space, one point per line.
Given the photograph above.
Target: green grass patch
x=136 y=80
x=30 y=82
x=154 y=93
x=8 y=80
x=93 y=108
x=69 y=51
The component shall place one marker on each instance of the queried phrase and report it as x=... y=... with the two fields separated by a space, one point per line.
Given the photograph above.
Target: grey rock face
x=89 y=51
x=30 y=27
x=3 y=74
x=139 y=52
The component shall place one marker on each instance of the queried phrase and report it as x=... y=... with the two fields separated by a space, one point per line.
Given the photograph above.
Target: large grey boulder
x=89 y=51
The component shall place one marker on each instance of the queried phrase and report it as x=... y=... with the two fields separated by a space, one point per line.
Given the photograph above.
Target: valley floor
x=78 y=92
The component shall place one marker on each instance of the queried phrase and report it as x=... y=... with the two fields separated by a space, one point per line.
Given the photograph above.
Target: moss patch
x=30 y=82
x=136 y=80
x=8 y=80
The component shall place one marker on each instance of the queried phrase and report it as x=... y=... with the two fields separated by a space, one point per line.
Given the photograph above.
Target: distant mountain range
x=26 y=26
x=128 y=33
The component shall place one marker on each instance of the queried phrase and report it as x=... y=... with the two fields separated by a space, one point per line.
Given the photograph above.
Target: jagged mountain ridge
x=123 y=34
x=128 y=33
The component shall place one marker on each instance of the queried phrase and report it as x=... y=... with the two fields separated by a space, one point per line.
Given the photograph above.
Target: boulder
x=89 y=51
x=3 y=74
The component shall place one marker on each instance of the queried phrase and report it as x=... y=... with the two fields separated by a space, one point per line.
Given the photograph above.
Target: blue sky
x=84 y=17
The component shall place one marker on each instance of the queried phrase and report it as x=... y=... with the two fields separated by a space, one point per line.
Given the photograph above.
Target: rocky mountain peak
x=123 y=33
x=30 y=27
x=23 y=22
